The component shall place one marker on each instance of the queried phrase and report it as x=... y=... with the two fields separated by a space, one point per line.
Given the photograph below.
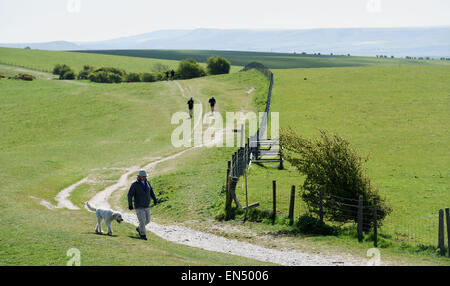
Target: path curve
x=189 y=237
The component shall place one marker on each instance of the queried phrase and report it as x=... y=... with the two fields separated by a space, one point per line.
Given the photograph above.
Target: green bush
x=84 y=74
x=114 y=78
x=160 y=76
x=118 y=71
x=307 y=224
x=257 y=215
x=132 y=77
x=68 y=75
x=332 y=167
x=61 y=70
x=105 y=77
x=189 y=68
x=148 y=77
x=218 y=65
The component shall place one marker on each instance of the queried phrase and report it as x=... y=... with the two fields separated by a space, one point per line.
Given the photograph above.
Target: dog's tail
x=89 y=207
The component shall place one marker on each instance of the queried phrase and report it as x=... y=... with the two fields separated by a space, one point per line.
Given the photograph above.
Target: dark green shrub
x=132 y=77
x=84 y=74
x=68 y=75
x=189 y=68
x=218 y=65
x=333 y=167
x=148 y=77
x=118 y=71
x=61 y=70
x=257 y=215
x=114 y=78
x=307 y=224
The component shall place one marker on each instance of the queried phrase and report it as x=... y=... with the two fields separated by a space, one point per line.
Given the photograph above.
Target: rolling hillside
x=271 y=60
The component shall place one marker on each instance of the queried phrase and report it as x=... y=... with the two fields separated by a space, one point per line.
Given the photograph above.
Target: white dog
x=107 y=215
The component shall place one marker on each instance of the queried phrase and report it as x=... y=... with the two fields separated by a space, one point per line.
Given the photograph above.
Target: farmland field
x=46 y=60
x=271 y=60
x=56 y=132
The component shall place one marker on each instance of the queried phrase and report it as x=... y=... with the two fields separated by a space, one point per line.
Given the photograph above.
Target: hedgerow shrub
x=84 y=74
x=61 y=70
x=333 y=167
x=218 y=65
x=148 y=77
x=189 y=68
x=105 y=77
x=132 y=77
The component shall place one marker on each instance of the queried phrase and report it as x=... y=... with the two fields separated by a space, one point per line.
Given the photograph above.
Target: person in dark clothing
x=212 y=103
x=141 y=191
x=191 y=106
x=167 y=75
x=172 y=73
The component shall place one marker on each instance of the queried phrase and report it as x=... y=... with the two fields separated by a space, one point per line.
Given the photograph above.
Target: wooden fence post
x=447 y=216
x=360 y=218
x=321 y=205
x=441 y=243
x=375 y=228
x=291 y=206
x=274 y=189
x=246 y=194
x=228 y=194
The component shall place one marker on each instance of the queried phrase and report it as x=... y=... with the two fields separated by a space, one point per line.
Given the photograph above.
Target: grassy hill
x=56 y=132
x=394 y=114
x=41 y=60
x=271 y=60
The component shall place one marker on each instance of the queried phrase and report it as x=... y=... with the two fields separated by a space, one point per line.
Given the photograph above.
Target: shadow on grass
x=102 y=234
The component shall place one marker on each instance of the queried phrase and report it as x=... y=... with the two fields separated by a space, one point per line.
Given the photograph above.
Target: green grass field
x=56 y=132
x=397 y=116
x=41 y=60
x=271 y=60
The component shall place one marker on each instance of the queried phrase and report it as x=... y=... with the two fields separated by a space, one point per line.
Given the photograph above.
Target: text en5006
x=244 y=275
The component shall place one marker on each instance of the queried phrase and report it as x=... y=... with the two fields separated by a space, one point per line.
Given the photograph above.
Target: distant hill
x=415 y=42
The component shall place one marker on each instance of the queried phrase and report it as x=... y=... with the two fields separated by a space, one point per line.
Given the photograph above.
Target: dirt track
x=203 y=240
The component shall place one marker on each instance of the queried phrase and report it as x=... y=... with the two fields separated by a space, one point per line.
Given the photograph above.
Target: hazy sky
x=92 y=20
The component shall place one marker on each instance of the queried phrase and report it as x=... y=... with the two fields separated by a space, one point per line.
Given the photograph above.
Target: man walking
x=212 y=103
x=191 y=106
x=167 y=75
x=141 y=190
x=172 y=73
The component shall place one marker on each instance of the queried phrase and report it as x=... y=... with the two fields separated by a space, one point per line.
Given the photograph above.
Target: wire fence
x=30 y=67
x=402 y=225
x=399 y=226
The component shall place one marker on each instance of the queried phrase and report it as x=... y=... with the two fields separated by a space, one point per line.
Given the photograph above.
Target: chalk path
x=207 y=241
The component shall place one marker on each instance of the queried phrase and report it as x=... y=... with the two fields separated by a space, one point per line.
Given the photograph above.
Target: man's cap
x=142 y=173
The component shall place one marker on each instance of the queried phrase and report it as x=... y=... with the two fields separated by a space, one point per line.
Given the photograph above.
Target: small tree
x=218 y=65
x=61 y=70
x=189 y=68
x=332 y=167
